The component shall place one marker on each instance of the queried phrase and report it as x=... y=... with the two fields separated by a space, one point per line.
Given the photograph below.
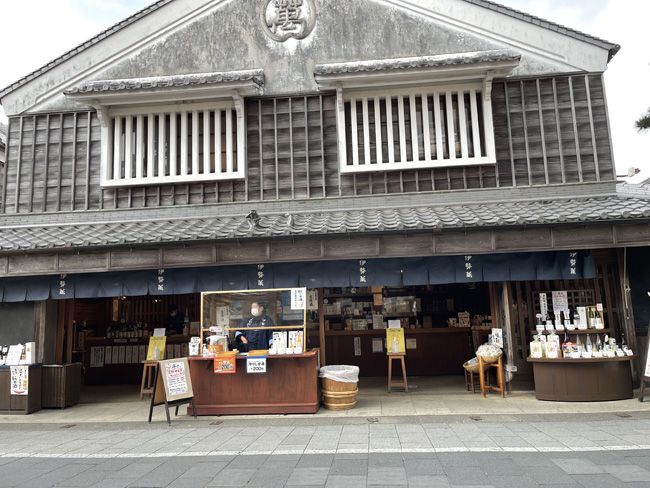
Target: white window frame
x=152 y=162
x=484 y=152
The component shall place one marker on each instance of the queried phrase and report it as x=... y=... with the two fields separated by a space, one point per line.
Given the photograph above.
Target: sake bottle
x=590 y=347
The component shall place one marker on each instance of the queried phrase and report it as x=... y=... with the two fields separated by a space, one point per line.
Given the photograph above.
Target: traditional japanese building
x=454 y=151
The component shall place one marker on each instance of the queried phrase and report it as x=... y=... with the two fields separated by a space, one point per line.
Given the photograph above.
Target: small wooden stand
x=391 y=383
x=644 y=380
x=161 y=389
x=646 y=376
x=482 y=372
x=148 y=377
x=470 y=381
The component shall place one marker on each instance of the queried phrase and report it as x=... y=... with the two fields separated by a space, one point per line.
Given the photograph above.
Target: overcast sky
x=34 y=32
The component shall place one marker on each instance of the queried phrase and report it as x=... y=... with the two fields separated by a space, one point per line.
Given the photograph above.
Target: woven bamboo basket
x=473 y=368
x=490 y=359
x=338 y=395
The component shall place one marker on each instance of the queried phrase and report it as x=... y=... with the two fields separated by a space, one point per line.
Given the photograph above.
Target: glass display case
x=255 y=320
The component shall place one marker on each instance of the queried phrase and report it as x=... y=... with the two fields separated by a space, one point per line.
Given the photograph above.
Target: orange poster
x=225 y=364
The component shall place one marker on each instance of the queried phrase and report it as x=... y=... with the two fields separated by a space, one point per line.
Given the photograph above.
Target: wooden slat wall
x=548 y=131
x=297 y=157
x=557 y=127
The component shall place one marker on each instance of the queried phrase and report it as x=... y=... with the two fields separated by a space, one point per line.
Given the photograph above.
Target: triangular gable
x=181 y=37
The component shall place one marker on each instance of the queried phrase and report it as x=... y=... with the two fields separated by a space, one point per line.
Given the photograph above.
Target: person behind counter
x=250 y=338
x=173 y=322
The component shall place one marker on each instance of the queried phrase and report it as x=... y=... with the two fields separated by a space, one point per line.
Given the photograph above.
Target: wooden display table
x=21 y=404
x=290 y=385
x=583 y=380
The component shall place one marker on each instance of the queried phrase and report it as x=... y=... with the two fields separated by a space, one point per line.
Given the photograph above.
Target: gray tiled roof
x=416 y=62
x=255 y=75
x=640 y=190
x=613 y=48
x=210 y=227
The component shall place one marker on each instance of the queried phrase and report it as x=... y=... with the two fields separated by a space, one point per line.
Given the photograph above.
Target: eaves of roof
x=152 y=83
x=211 y=228
x=613 y=48
x=416 y=62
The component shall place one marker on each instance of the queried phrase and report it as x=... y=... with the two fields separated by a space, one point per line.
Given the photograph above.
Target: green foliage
x=643 y=123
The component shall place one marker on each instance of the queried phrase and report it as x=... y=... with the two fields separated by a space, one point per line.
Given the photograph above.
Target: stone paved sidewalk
x=460 y=453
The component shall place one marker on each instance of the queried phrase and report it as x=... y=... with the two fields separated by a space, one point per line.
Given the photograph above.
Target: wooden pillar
x=500 y=306
x=69 y=332
x=60 y=331
x=45 y=330
x=627 y=314
x=321 y=327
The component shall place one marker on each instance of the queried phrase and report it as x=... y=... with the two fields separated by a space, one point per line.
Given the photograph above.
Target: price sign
x=256 y=364
x=225 y=365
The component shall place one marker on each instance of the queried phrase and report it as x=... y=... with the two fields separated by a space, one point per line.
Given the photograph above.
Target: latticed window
x=416 y=128
x=175 y=143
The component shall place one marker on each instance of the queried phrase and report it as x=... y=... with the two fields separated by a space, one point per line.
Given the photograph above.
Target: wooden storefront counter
x=438 y=350
x=20 y=404
x=290 y=385
x=583 y=380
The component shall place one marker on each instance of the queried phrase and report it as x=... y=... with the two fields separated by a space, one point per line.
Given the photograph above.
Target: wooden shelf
x=588 y=331
x=349 y=295
x=580 y=360
x=340 y=315
x=382 y=332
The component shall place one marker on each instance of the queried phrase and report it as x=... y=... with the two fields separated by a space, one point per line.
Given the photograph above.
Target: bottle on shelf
x=589 y=345
x=599 y=344
x=576 y=319
x=592 y=318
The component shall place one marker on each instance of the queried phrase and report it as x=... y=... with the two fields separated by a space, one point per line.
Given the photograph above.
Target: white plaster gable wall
x=194 y=36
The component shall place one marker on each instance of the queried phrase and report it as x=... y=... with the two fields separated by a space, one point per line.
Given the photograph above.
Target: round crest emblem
x=285 y=19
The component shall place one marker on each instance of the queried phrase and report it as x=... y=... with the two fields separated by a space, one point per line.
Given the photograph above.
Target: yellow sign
x=395 y=335
x=156 y=350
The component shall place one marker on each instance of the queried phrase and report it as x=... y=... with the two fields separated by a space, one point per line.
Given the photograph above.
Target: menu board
x=176 y=379
x=647 y=364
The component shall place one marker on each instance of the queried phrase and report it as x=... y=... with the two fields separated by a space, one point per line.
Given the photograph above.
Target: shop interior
x=443 y=326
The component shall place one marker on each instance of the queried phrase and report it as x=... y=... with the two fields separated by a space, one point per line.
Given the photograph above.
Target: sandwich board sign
x=173 y=386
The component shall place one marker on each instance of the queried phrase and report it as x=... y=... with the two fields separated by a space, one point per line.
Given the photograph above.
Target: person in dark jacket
x=174 y=321
x=250 y=337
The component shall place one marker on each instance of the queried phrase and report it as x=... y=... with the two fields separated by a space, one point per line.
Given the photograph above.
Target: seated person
x=251 y=339
x=173 y=322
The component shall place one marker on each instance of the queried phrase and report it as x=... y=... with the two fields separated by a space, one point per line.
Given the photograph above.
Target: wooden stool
x=472 y=383
x=392 y=383
x=148 y=379
x=483 y=369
